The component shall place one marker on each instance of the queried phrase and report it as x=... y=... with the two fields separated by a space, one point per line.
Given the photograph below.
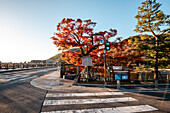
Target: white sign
x=87 y=61
x=102 y=47
x=117 y=67
x=99 y=53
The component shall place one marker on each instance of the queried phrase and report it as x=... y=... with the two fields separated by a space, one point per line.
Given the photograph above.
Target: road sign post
x=118 y=84
x=87 y=61
x=121 y=75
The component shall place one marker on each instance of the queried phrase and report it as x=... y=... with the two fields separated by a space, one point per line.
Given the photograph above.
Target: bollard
x=118 y=84
x=13 y=66
x=7 y=66
x=168 y=78
x=156 y=84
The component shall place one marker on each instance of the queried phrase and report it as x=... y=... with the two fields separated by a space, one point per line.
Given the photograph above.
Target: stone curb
x=52 y=82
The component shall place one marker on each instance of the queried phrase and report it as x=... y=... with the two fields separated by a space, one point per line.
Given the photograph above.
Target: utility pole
x=105 y=68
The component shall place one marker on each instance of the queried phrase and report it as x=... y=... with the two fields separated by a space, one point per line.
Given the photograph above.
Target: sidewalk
x=53 y=82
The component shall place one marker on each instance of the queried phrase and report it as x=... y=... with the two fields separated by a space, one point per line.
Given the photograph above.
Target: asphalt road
x=17 y=95
x=157 y=100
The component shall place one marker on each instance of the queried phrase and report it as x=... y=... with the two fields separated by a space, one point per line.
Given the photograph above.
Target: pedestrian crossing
x=83 y=94
x=101 y=102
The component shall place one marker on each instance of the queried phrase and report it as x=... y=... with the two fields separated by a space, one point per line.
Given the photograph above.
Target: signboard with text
x=121 y=75
x=87 y=61
x=117 y=67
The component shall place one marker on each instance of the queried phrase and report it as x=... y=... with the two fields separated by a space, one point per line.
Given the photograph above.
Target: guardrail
x=24 y=65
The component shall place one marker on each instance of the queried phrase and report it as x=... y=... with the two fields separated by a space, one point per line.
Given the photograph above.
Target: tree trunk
x=156 y=64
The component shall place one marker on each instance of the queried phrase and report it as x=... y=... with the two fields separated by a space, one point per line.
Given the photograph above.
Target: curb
x=110 y=86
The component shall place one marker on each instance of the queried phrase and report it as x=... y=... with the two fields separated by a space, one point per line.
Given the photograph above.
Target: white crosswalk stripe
x=128 y=109
x=87 y=101
x=83 y=94
x=51 y=101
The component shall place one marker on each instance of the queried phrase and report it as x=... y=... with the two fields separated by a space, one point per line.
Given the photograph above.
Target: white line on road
x=82 y=94
x=127 y=109
x=86 y=101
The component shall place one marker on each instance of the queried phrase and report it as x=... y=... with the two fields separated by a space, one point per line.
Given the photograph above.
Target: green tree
x=151 y=19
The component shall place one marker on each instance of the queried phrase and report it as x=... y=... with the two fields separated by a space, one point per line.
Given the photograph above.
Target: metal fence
x=23 y=65
x=96 y=73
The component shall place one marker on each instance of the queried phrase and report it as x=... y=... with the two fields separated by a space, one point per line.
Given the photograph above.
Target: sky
x=26 y=26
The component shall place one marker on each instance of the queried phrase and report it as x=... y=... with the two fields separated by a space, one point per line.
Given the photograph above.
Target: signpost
x=120 y=75
x=87 y=61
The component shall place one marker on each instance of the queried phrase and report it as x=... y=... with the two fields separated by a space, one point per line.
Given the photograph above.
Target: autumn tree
x=150 y=19
x=76 y=33
x=125 y=53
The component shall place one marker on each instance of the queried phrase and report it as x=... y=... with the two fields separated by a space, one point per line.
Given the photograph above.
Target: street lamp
x=105 y=73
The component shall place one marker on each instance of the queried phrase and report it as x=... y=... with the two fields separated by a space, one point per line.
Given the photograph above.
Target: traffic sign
x=102 y=47
x=102 y=41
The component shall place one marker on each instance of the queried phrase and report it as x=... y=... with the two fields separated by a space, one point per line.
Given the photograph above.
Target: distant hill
x=57 y=57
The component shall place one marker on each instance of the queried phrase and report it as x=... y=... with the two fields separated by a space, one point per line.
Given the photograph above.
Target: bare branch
x=164 y=31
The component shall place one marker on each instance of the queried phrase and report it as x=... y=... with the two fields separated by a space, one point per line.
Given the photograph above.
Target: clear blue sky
x=27 y=25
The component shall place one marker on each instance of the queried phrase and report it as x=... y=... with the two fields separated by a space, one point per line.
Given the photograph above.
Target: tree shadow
x=163 y=96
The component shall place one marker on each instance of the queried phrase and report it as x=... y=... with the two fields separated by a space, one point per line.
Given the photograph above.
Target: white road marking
x=86 y=101
x=82 y=94
x=21 y=75
x=127 y=109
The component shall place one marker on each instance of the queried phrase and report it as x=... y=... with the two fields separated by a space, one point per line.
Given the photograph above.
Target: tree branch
x=92 y=49
x=74 y=38
x=82 y=52
x=165 y=30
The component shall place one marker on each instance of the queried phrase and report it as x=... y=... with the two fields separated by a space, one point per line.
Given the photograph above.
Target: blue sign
x=117 y=76
x=124 y=76
x=101 y=41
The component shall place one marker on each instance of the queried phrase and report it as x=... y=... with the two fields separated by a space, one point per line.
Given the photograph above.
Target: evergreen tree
x=151 y=19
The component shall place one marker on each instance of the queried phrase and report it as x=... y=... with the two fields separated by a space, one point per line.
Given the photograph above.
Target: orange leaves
x=63 y=21
x=79 y=21
x=53 y=38
x=119 y=38
x=114 y=32
x=54 y=42
x=87 y=21
x=70 y=20
x=76 y=33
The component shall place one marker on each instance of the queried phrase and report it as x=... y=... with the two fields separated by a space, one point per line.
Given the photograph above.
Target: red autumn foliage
x=76 y=33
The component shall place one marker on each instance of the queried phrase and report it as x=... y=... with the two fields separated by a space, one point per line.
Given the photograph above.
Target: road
x=18 y=96
x=117 y=102
x=16 y=93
